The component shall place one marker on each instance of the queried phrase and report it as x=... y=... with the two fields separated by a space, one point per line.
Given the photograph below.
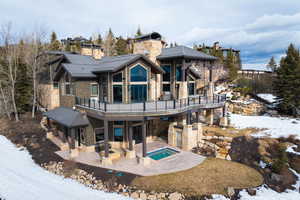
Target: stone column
x=144 y=135
x=210 y=116
x=183 y=90
x=224 y=118
x=106 y=145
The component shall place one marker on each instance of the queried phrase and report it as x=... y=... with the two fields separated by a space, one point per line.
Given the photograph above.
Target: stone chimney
x=92 y=50
x=150 y=45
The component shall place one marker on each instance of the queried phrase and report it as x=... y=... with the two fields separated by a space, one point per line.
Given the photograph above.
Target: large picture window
x=178 y=73
x=117 y=93
x=167 y=74
x=118 y=133
x=138 y=74
x=138 y=93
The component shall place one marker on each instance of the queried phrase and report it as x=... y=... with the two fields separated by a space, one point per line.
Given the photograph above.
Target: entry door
x=137 y=134
x=138 y=93
x=179 y=139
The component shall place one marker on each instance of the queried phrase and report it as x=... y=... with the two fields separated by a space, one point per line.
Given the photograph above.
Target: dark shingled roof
x=67 y=117
x=115 y=63
x=183 y=52
x=79 y=70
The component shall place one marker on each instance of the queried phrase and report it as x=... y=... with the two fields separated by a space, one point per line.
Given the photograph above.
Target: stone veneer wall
x=48 y=96
x=152 y=47
x=95 y=53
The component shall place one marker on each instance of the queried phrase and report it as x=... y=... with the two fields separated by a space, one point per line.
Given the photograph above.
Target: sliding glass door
x=138 y=93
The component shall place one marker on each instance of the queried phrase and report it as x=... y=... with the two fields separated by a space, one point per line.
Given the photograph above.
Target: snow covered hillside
x=277 y=126
x=21 y=178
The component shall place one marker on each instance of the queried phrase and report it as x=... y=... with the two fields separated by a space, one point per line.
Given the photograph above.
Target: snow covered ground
x=276 y=126
x=21 y=178
x=264 y=193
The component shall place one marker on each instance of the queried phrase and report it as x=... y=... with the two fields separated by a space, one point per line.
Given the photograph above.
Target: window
x=138 y=93
x=117 y=93
x=55 y=85
x=99 y=134
x=118 y=133
x=178 y=73
x=94 y=89
x=167 y=74
x=191 y=88
x=67 y=89
x=166 y=88
x=138 y=74
x=118 y=77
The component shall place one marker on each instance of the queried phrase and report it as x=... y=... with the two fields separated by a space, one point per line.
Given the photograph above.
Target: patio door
x=138 y=93
x=179 y=139
x=137 y=134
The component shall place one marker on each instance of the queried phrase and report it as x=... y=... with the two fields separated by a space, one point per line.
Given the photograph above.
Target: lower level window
x=118 y=132
x=166 y=88
x=99 y=134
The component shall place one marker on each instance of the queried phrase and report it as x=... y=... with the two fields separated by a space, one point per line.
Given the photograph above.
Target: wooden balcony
x=151 y=108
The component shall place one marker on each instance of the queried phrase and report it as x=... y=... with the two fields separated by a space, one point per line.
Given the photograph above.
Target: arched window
x=138 y=74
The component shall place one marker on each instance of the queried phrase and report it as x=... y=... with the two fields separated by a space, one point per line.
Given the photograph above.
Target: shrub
x=282 y=159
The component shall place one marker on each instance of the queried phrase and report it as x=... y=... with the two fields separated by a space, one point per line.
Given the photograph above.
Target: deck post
x=106 y=148
x=130 y=138
x=197 y=117
x=188 y=117
x=144 y=134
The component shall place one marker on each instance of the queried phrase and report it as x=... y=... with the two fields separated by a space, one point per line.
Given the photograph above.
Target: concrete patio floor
x=178 y=162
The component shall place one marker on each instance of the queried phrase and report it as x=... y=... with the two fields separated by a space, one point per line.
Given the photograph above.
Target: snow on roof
x=267 y=97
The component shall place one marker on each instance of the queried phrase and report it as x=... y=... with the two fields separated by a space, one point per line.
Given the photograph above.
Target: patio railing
x=153 y=106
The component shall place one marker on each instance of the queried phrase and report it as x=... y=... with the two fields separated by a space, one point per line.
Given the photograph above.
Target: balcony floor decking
x=153 y=108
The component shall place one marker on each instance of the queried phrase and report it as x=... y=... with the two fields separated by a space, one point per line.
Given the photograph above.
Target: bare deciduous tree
x=33 y=48
x=10 y=57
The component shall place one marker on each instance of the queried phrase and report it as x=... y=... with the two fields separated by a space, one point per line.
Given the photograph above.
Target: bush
x=282 y=159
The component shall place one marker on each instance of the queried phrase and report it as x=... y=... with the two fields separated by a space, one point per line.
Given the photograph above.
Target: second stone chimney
x=92 y=50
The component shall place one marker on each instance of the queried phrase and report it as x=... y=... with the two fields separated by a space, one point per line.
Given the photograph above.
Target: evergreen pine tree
x=121 y=46
x=230 y=66
x=287 y=83
x=272 y=64
x=54 y=43
x=138 y=32
x=99 y=39
x=23 y=88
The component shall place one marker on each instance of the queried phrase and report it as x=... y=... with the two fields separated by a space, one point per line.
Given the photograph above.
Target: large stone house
x=112 y=104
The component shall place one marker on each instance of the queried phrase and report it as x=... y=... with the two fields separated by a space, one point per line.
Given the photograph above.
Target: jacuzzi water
x=161 y=153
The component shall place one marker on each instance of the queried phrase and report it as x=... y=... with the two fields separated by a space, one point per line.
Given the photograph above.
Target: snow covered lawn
x=276 y=127
x=264 y=193
x=21 y=178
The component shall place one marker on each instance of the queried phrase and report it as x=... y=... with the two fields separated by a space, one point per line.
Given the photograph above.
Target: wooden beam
x=106 y=146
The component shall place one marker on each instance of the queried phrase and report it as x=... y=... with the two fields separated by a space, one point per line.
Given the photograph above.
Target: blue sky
x=260 y=29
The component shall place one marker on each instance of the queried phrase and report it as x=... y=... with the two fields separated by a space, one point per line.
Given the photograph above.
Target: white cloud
x=267 y=35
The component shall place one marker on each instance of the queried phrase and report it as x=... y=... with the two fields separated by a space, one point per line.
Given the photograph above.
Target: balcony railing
x=153 y=106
